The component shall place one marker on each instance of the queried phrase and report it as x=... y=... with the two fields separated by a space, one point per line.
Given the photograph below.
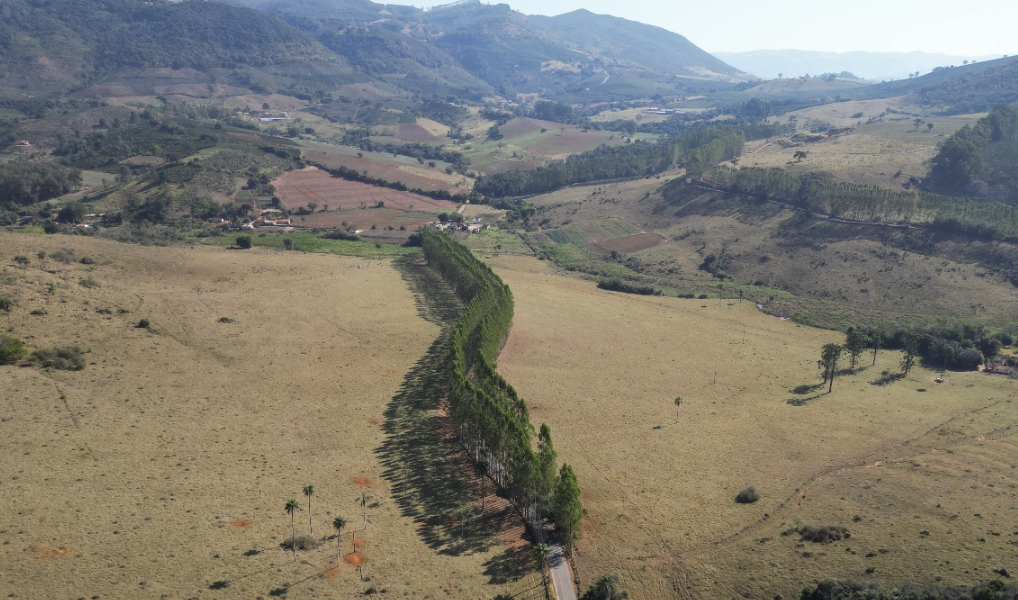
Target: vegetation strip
x=491 y=419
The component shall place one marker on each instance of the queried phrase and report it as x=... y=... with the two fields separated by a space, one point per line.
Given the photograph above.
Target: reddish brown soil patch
x=361 y=481
x=47 y=552
x=355 y=559
x=240 y=523
x=333 y=571
x=414 y=177
x=297 y=188
x=630 y=243
x=362 y=220
x=374 y=421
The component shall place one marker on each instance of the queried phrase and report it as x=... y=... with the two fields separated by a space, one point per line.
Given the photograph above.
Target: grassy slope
x=660 y=493
x=162 y=468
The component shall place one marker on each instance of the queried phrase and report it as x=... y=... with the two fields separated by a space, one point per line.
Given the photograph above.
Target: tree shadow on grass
x=805 y=401
x=806 y=388
x=506 y=567
x=427 y=486
x=888 y=379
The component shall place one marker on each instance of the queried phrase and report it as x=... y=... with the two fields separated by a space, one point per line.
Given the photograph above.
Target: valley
x=497 y=287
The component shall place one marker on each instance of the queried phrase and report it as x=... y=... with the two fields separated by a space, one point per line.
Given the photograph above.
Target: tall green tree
x=567 y=506
x=309 y=491
x=909 y=351
x=540 y=551
x=546 y=456
x=829 y=356
x=338 y=523
x=292 y=507
x=855 y=343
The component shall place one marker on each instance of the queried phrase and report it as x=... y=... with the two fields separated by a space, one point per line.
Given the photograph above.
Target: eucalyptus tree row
x=492 y=421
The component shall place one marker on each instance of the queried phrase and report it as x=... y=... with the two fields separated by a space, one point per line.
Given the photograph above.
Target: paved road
x=561 y=574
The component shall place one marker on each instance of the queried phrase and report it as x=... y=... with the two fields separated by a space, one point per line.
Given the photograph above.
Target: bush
x=244 y=241
x=143 y=324
x=747 y=496
x=303 y=542
x=11 y=350
x=616 y=285
x=66 y=358
x=64 y=256
x=821 y=534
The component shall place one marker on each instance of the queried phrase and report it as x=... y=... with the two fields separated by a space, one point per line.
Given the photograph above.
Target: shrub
x=747 y=496
x=11 y=350
x=64 y=256
x=88 y=282
x=87 y=261
x=821 y=534
x=66 y=358
x=244 y=241
x=617 y=285
x=143 y=324
x=39 y=312
x=21 y=259
x=303 y=542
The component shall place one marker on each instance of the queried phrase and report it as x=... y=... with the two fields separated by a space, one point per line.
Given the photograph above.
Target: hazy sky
x=972 y=28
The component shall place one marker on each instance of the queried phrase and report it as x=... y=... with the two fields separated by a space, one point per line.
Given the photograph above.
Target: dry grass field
x=387 y=167
x=885 y=153
x=161 y=469
x=922 y=475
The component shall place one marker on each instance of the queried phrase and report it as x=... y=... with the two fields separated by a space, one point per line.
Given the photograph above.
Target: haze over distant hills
x=876 y=66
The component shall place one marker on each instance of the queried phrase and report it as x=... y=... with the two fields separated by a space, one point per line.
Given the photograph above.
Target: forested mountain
x=52 y=46
x=574 y=56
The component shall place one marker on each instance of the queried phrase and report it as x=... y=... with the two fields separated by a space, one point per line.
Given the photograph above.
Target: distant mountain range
x=876 y=66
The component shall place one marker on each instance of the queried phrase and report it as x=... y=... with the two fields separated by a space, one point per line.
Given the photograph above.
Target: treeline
x=491 y=419
x=24 y=182
x=830 y=589
x=144 y=134
x=615 y=162
x=961 y=347
x=355 y=175
x=960 y=159
x=617 y=285
x=871 y=204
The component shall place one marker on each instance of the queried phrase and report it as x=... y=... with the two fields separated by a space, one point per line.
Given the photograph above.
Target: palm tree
x=309 y=490
x=541 y=551
x=338 y=524
x=6 y=305
x=678 y=403
x=292 y=507
x=364 y=503
x=605 y=588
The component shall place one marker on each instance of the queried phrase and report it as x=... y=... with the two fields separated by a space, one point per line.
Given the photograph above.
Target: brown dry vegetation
x=161 y=469
x=869 y=154
x=401 y=169
x=907 y=458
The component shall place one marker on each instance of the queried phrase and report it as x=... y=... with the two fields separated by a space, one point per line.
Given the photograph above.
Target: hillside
x=576 y=56
x=956 y=90
x=66 y=44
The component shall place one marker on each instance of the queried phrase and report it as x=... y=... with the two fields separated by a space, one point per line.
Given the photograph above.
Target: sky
x=972 y=28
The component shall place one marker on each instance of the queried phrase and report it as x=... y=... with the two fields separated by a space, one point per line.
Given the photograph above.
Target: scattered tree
x=292 y=507
x=799 y=155
x=338 y=524
x=309 y=491
x=909 y=350
x=829 y=356
x=855 y=343
x=243 y=242
x=678 y=403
